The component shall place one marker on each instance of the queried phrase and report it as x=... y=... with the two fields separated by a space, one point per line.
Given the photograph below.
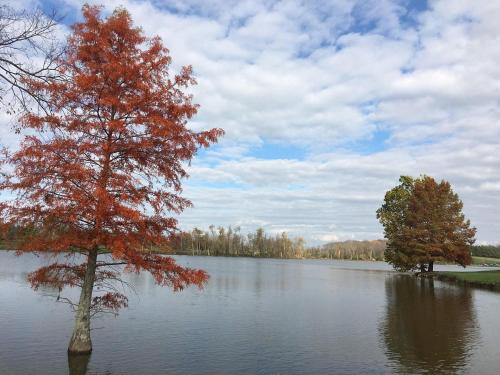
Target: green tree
x=423 y=223
x=392 y=216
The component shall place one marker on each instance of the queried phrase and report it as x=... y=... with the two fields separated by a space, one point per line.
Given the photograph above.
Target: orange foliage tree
x=436 y=228
x=101 y=171
x=424 y=223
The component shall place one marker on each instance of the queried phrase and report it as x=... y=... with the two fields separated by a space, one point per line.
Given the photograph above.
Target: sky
x=326 y=103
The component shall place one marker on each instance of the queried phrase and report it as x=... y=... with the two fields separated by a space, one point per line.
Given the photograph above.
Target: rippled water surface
x=260 y=316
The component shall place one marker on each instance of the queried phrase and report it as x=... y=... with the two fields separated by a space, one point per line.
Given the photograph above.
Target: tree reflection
x=77 y=363
x=429 y=329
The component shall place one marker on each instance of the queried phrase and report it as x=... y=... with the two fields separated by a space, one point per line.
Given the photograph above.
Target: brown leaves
x=424 y=223
x=166 y=271
x=436 y=224
x=102 y=168
x=57 y=275
x=109 y=302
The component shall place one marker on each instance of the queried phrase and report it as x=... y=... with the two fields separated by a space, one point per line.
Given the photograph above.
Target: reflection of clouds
x=429 y=328
x=308 y=317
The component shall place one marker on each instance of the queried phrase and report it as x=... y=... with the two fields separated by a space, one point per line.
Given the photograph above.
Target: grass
x=483 y=260
x=483 y=279
x=480 y=276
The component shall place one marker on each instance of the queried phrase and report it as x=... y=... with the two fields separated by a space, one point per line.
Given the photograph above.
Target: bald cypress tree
x=424 y=223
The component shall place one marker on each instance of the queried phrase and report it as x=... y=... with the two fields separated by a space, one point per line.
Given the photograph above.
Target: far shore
x=485 y=279
x=476 y=261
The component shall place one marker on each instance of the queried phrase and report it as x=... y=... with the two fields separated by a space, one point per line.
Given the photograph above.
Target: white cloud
x=323 y=76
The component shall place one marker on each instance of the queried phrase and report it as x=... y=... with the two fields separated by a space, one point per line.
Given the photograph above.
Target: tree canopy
x=101 y=169
x=423 y=223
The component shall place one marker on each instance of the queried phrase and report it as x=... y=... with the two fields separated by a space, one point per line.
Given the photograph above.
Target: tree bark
x=431 y=266
x=80 y=342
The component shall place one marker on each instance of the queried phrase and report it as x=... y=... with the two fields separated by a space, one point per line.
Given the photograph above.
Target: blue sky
x=326 y=103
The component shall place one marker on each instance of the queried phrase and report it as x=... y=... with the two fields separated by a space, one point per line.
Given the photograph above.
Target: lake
x=260 y=316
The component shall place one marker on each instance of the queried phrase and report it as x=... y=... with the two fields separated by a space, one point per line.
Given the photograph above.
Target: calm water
x=260 y=316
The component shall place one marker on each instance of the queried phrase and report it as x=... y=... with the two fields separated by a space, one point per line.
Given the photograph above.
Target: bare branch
x=110 y=264
x=29 y=50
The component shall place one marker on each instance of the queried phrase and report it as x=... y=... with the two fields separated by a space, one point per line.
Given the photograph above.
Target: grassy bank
x=482 y=279
x=485 y=261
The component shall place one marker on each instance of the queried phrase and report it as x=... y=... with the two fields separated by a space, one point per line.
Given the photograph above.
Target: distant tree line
x=352 y=250
x=230 y=241
x=10 y=235
x=488 y=251
x=220 y=241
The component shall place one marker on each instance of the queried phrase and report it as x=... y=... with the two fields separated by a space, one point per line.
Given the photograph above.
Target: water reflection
x=259 y=316
x=77 y=363
x=428 y=329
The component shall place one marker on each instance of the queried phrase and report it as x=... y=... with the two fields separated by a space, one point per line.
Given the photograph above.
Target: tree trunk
x=431 y=266
x=422 y=268
x=80 y=342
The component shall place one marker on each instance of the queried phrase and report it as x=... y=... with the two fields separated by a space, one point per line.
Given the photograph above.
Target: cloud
x=326 y=78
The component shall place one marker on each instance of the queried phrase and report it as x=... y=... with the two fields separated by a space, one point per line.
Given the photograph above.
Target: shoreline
x=485 y=278
x=476 y=261
x=488 y=279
